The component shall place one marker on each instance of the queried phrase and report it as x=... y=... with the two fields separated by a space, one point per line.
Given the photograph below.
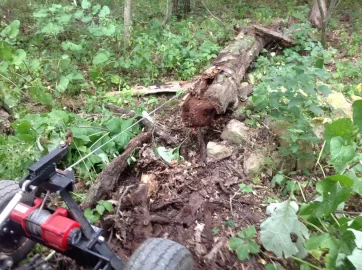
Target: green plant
x=93 y=215
x=335 y=238
x=244 y=244
x=245 y=188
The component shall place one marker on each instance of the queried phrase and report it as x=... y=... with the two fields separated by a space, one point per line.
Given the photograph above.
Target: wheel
x=12 y=240
x=160 y=254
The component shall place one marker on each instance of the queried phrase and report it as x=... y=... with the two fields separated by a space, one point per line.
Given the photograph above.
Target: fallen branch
x=166 y=87
x=108 y=178
x=212 y=254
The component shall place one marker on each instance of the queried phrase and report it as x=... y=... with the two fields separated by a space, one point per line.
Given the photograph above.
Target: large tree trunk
x=168 y=14
x=181 y=8
x=127 y=22
x=217 y=89
x=315 y=16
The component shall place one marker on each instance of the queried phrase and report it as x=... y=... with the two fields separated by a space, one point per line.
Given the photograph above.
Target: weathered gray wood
x=217 y=89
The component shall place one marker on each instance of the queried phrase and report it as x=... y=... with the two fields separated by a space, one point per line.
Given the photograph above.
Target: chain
x=116 y=136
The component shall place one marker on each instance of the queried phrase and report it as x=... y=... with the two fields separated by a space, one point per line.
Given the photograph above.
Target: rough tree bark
x=316 y=17
x=217 y=89
x=127 y=22
x=168 y=14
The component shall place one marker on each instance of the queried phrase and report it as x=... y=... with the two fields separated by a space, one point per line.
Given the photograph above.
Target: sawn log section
x=217 y=89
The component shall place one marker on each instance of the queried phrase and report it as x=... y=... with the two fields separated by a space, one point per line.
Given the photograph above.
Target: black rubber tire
x=160 y=254
x=7 y=191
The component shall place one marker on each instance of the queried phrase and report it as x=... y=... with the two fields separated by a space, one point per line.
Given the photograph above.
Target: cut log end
x=197 y=113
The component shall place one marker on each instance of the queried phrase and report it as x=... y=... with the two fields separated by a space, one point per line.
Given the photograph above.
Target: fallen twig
x=212 y=254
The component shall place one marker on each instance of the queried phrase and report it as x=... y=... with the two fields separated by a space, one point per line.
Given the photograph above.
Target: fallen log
x=106 y=181
x=164 y=87
x=217 y=89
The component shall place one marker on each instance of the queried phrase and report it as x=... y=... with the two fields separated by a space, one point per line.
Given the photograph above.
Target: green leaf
x=166 y=154
x=108 y=206
x=5 y=51
x=319 y=63
x=357 y=114
x=253 y=247
x=95 y=9
x=100 y=209
x=51 y=29
x=39 y=94
x=277 y=230
x=85 y=4
x=355 y=258
x=277 y=179
x=341 y=154
x=249 y=232
x=342 y=127
x=63 y=84
x=18 y=57
x=324 y=89
x=12 y=30
x=101 y=57
x=335 y=190
x=42 y=13
x=104 y=12
x=358 y=237
x=235 y=243
x=67 y=45
x=273 y=267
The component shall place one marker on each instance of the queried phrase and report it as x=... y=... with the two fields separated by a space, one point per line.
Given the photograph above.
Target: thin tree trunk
x=316 y=17
x=127 y=22
x=168 y=15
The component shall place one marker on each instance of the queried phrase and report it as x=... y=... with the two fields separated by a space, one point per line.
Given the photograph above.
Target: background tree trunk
x=181 y=8
x=168 y=15
x=127 y=22
x=315 y=16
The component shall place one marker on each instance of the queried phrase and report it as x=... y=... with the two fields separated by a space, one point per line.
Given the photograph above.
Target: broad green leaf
x=3 y=66
x=342 y=127
x=5 y=51
x=355 y=258
x=319 y=63
x=104 y=12
x=18 y=57
x=85 y=4
x=108 y=206
x=64 y=19
x=249 y=232
x=96 y=8
x=277 y=230
x=63 y=84
x=79 y=14
x=324 y=89
x=277 y=179
x=42 y=13
x=12 y=30
x=39 y=94
x=114 y=125
x=341 y=154
x=358 y=237
x=273 y=267
x=253 y=247
x=67 y=45
x=51 y=29
x=100 y=209
x=335 y=190
x=101 y=57
x=357 y=114
x=235 y=242
x=166 y=154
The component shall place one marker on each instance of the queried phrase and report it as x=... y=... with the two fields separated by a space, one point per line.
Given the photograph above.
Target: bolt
x=11 y=232
x=5 y=230
x=101 y=239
